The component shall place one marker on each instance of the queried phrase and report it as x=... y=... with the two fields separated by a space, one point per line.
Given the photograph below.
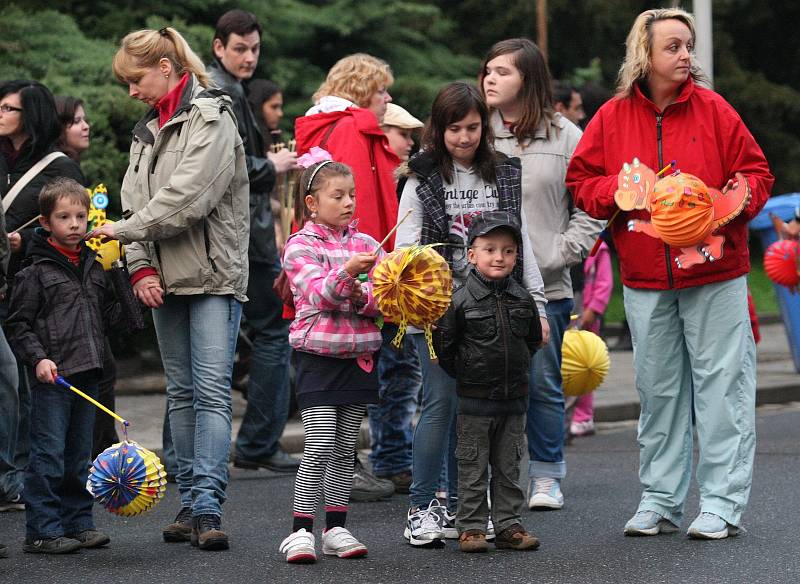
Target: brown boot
x=181 y=528
x=473 y=541
x=516 y=538
x=206 y=533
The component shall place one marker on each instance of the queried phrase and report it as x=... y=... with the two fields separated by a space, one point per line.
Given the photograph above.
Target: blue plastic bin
x=783 y=206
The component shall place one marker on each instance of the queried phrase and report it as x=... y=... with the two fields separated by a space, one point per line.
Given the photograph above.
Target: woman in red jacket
x=692 y=337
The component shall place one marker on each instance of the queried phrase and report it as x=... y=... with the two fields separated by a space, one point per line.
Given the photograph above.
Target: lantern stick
x=388 y=235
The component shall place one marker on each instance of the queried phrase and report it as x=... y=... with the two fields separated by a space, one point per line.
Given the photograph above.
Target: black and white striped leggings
x=331 y=433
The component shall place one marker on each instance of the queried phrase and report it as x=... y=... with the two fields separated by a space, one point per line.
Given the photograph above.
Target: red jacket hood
x=357 y=141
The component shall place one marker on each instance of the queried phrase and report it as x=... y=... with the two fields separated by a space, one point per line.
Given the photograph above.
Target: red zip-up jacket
x=707 y=138
x=357 y=141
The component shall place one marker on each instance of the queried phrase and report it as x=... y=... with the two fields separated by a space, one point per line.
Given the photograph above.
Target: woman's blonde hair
x=639 y=48
x=356 y=78
x=142 y=50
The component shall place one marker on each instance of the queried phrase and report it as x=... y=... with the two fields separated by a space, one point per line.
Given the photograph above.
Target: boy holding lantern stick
x=60 y=307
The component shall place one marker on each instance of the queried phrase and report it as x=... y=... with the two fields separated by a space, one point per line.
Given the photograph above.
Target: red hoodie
x=707 y=138
x=357 y=141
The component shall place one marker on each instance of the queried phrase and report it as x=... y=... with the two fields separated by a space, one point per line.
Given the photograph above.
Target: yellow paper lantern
x=584 y=362
x=413 y=285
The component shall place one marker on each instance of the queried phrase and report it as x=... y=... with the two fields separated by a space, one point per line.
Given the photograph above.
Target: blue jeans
x=14 y=419
x=268 y=389
x=391 y=420
x=56 y=500
x=197 y=339
x=545 y=425
x=435 y=436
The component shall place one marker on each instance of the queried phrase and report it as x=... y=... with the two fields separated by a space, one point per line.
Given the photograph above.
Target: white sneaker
x=337 y=541
x=489 y=530
x=545 y=493
x=448 y=524
x=299 y=548
x=423 y=526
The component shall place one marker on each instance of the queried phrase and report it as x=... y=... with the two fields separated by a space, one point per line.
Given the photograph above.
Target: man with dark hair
x=236 y=46
x=568 y=102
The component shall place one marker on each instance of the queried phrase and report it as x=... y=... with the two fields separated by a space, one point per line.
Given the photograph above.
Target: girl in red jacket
x=693 y=344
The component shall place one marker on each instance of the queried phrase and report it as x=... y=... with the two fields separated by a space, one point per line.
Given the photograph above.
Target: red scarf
x=73 y=255
x=167 y=105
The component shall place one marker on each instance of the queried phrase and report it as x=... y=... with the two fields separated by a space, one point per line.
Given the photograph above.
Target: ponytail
x=143 y=49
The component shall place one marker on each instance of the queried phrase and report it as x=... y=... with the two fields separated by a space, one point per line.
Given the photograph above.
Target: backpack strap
x=33 y=171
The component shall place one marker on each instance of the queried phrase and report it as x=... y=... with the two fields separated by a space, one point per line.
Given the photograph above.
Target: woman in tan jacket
x=186 y=243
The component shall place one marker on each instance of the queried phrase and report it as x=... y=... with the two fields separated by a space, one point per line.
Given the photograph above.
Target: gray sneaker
x=368 y=487
x=14 y=503
x=52 y=545
x=649 y=523
x=91 y=538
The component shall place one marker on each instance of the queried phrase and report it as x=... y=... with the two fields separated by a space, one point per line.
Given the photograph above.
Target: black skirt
x=328 y=381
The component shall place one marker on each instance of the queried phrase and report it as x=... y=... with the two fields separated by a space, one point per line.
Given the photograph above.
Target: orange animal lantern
x=681 y=210
x=780 y=263
x=684 y=211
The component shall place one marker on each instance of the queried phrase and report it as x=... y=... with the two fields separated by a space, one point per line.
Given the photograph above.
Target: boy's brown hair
x=61 y=188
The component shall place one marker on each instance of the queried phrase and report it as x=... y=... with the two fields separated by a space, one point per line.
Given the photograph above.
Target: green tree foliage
x=50 y=48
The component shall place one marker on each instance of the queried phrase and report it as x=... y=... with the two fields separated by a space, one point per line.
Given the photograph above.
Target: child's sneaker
x=52 y=545
x=582 y=428
x=473 y=541
x=516 y=538
x=545 y=494
x=299 y=548
x=448 y=524
x=339 y=542
x=423 y=526
x=14 y=503
x=711 y=526
x=91 y=538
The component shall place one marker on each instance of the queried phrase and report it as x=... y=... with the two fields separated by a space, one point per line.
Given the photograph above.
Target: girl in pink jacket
x=335 y=340
x=598 y=283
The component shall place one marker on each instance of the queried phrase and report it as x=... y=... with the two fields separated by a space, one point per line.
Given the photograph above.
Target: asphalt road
x=583 y=543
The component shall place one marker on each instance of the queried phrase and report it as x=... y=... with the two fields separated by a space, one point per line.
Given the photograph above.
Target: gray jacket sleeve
x=409 y=231
x=531 y=276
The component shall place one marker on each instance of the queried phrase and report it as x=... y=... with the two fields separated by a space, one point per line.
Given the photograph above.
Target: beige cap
x=399 y=117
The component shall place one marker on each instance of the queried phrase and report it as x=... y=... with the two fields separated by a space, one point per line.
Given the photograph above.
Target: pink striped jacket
x=326 y=321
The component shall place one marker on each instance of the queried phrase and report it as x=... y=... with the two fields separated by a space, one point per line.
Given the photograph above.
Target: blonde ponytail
x=143 y=49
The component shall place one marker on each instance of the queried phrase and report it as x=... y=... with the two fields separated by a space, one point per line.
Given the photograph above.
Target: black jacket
x=59 y=311
x=260 y=169
x=487 y=337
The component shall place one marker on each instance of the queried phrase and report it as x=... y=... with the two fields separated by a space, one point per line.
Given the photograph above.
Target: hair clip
x=163 y=31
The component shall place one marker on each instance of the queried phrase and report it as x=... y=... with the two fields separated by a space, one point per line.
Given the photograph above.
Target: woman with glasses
x=29 y=130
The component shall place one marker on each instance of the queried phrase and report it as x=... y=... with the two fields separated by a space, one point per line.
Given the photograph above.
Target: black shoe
x=91 y=538
x=206 y=533
x=180 y=529
x=14 y=503
x=368 y=487
x=52 y=545
x=281 y=461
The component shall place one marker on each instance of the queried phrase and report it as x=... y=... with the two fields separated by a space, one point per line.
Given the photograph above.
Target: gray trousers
x=498 y=441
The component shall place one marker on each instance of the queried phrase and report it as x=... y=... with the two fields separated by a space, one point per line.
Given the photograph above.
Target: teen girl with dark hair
x=517 y=86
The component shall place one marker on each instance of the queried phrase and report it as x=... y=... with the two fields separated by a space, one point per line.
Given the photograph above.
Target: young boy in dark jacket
x=58 y=310
x=486 y=341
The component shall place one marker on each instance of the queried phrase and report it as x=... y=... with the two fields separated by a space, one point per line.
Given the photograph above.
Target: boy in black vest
x=486 y=340
x=60 y=305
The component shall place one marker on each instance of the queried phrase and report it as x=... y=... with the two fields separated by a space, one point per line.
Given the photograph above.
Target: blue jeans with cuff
x=197 y=339
x=545 y=424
